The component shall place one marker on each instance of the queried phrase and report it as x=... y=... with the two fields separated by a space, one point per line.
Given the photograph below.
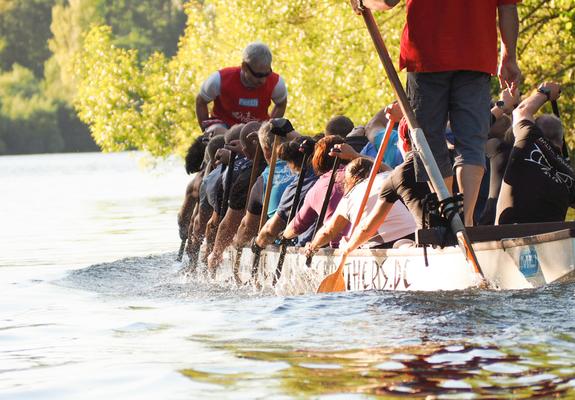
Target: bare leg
x=469 y=179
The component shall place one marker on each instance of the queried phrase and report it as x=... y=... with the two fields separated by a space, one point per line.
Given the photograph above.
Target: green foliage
x=29 y=123
x=148 y=25
x=320 y=47
x=547 y=52
x=24 y=31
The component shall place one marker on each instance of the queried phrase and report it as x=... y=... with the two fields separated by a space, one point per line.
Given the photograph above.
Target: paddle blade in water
x=334 y=282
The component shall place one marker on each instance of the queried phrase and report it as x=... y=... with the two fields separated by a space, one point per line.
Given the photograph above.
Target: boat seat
x=439 y=237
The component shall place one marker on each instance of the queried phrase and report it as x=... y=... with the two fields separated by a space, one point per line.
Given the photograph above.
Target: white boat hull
x=519 y=263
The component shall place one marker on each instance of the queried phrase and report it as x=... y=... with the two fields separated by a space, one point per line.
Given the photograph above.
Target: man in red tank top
x=243 y=94
x=449 y=48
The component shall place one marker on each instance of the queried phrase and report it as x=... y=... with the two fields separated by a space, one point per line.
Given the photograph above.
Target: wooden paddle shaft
x=269 y=184
x=254 y=174
x=292 y=213
x=228 y=184
x=374 y=171
x=335 y=282
x=417 y=137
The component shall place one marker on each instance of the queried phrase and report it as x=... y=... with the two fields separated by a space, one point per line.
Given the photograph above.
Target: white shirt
x=398 y=223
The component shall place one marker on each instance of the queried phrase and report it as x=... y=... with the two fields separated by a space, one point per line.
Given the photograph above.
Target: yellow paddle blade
x=334 y=282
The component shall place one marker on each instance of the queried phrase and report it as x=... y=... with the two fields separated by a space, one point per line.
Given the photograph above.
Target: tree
x=28 y=118
x=25 y=29
x=320 y=47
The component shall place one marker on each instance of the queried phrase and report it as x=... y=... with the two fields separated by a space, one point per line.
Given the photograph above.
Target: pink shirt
x=311 y=208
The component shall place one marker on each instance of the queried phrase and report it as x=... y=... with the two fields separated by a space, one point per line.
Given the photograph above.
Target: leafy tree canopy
x=320 y=47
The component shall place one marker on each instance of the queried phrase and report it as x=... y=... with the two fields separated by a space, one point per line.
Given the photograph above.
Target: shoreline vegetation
x=83 y=75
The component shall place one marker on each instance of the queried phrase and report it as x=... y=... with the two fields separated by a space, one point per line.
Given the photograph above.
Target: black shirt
x=402 y=185
x=240 y=186
x=538 y=185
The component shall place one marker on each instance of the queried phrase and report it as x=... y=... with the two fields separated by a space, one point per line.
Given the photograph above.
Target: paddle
x=253 y=176
x=280 y=128
x=325 y=204
x=565 y=149
x=335 y=282
x=420 y=143
x=228 y=184
x=306 y=148
x=181 y=251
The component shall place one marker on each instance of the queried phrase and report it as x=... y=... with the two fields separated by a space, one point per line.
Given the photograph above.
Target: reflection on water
x=93 y=305
x=426 y=371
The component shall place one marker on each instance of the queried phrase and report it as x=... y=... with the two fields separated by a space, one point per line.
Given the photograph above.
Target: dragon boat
x=512 y=257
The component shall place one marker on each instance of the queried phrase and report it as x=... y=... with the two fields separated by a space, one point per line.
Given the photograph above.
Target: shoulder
x=279 y=93
x=211 y=87
x=526 y=128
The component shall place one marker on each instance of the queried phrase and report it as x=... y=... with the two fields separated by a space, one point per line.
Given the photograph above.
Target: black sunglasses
x=258 y=74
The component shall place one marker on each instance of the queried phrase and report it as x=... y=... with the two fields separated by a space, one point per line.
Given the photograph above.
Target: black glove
x=281 y=126
x=256 y=249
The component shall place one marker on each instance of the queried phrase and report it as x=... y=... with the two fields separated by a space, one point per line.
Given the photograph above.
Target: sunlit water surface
x=92 y=306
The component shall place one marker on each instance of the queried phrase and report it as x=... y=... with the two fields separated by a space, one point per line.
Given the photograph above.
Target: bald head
x=552 y=128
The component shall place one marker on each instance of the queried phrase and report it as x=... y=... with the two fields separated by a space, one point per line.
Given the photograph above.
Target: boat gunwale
x=505 y=243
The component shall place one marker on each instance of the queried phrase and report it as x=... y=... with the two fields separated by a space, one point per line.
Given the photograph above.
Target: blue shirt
x=392 y=155
x=282 y=179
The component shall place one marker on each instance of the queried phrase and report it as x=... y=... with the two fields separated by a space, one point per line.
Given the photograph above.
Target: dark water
x=101 y=310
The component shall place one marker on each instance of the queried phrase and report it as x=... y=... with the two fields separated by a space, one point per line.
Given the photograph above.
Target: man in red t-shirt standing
x=449 y=48
x=243 y=94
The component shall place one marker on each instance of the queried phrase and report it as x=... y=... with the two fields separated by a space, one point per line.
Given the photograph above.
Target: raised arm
x=532 y=104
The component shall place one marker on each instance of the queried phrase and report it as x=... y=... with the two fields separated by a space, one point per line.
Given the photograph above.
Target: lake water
x=92 y=306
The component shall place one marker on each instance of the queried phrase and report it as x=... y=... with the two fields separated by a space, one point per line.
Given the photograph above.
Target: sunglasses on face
x=258 y=74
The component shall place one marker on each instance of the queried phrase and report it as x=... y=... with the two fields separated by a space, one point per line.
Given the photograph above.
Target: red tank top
x=239 y=104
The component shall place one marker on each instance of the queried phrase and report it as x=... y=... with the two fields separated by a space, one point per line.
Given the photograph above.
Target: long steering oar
x=280 y=128
x=306 y=148
x=418 y=139
x=335 y=282
x=325 y=204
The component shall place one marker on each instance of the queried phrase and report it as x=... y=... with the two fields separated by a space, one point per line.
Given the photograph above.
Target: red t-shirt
x=450 y=35
x=239 y=104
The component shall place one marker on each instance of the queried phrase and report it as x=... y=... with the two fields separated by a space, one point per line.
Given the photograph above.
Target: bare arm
x=202 y=112
x=270 y=231
x=509 y=72
x=279 y=109
x=185 y=213
x=368 y=227
x=533 y=103
x=226 y=230
x=211 y=231
x=247 y=230
x=330 y=230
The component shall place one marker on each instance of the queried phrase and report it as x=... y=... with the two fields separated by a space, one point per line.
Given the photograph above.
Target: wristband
x=545 y=91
